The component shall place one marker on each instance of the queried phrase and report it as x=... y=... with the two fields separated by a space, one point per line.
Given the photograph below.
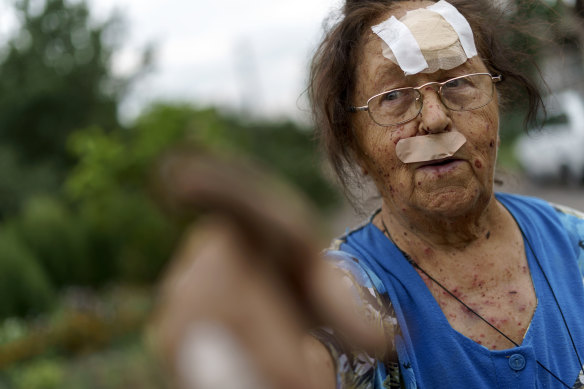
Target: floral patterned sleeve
x=357 y=369
x=574 y=222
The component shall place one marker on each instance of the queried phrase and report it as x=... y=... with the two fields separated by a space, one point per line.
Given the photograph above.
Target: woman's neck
x=414 y=232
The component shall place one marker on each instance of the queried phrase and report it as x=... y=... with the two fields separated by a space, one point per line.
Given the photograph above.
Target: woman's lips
x=440 y=166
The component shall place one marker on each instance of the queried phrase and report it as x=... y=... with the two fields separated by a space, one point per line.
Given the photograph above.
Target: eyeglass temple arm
x=356 y=109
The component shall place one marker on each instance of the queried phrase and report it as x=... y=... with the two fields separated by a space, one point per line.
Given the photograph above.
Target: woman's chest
x=493 y=314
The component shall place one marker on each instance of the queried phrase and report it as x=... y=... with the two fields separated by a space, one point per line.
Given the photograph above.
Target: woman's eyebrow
x=388 y=76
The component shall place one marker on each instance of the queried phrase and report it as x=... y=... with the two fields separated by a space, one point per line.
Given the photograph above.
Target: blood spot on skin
x=478 y=164
x=457 y=293
x=475 y=280
x=482 y=335
x=519 y=324
x=479 y=342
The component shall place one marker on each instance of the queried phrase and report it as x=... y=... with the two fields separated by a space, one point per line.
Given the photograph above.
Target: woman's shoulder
x=572 y=215
x=351 y=232
x=568 y=219
x=573 y=222
x=565 y=212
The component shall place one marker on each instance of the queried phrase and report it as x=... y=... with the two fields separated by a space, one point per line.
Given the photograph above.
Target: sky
x=241 y=55
x=235 y=54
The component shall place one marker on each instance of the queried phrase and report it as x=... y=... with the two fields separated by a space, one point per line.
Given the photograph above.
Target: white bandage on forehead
x=427 y=39
x=430 y=147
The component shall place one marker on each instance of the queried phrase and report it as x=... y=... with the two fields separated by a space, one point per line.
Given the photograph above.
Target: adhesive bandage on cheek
x=430 y=147
x=427 y=39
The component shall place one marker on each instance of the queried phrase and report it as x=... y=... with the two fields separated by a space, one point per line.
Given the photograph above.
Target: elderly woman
x=479 y=289
x=460 y=287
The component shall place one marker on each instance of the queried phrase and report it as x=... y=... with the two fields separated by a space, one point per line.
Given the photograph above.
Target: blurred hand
x=247 y=283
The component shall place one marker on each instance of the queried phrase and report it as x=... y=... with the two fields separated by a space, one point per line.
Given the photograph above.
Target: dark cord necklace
x=414 y=264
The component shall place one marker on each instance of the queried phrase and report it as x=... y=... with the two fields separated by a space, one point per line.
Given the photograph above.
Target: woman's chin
x=450 y=201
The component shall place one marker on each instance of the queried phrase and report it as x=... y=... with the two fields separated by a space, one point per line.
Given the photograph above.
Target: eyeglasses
x=398 y=106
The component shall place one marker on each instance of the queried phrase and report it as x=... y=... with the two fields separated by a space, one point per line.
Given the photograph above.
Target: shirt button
x=517 y=362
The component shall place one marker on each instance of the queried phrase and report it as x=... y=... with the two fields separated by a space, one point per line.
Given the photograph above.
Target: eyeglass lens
x=459 y=94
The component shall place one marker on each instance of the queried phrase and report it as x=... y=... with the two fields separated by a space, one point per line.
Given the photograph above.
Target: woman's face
x=446 y=189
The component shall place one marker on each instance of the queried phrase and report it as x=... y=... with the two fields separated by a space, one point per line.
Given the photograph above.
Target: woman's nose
x=434 y=116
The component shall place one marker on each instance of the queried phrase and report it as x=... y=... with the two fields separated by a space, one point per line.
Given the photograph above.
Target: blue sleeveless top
x=433 y=355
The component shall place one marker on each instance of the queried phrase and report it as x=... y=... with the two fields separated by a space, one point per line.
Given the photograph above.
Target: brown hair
x=333 y=68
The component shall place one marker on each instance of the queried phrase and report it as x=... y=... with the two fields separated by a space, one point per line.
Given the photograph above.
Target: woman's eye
x=393 y=95
x=457 y=83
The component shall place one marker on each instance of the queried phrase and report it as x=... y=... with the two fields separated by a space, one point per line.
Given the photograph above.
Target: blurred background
x=92 y=93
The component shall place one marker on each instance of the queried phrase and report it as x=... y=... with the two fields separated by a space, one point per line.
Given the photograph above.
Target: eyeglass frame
x=494 y=80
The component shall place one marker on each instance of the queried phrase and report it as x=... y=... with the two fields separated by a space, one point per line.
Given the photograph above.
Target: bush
x=58 y=239
x=41 y=374
x=24 y=287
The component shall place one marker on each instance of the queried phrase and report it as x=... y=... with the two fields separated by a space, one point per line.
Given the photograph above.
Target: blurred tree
x=111 y=184
x=55 y=77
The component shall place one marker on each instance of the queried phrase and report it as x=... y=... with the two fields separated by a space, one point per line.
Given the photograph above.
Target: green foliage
x=12 y=329
x=83 y=321
x=58 y=124
x=24 y=286
x=110 y=185
x=42 y=374
x=128 y=364
x=54 y=79
x=59 y=241
x=110 y=162
x=19 y=181
x=130 y=238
